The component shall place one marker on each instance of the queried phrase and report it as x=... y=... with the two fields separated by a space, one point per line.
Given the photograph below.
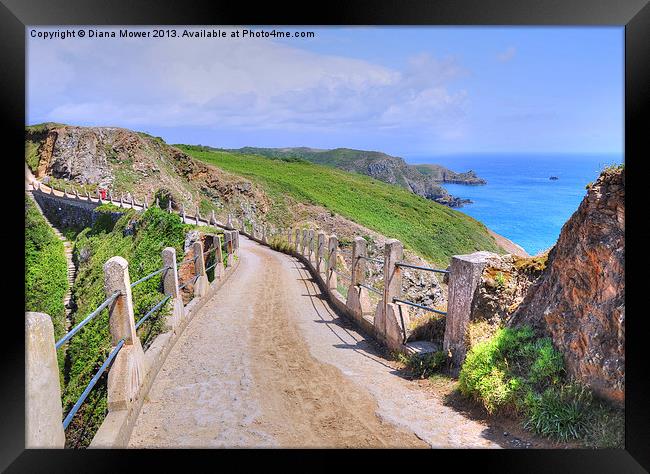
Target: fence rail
x=75 y=408
x=416 y=305
x=152 y=310
x=371 y=259
x=371 y=288
x=86 y=320
x=418 y=267
x=151 y=275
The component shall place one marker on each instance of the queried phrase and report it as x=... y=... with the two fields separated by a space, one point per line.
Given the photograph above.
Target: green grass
x=433 y=231
x=517 y=373
x=45 y=269
x=152 y=231
x=423 y=365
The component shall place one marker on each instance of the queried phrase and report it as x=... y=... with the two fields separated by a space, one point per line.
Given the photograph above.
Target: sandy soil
x=267 y=362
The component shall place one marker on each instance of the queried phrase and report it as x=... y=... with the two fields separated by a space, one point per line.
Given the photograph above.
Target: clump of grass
x=423 y=365
x=515 y=372
x=280 y=244
x=500 y=280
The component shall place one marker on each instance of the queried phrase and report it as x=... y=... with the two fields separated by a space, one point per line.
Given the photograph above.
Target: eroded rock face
x=580 y=298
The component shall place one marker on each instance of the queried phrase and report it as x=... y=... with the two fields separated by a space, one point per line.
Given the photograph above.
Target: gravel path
x=267 y=363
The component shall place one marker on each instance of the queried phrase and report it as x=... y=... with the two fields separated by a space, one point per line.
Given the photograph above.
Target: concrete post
x=121 y=199
x=464 y=277
x=289 y=232
x=110 y=196
x=320 y=252
x=197 y=216
x=170 y=287
x=132 y=200
x=127 y=372
x=219 y=269
x=183 y=212
x=235 y=233
x=99 y=197
x=157 y=202
x=387 y=312
x=201 y=284
x=76 y=194
x=310 y=244
x=213 y=219
x=229 y=235
x=303 y=244
x=146 y=202
x=169 y=206
x=296 y=242
x=332 y=251
x=43 y=410
x=264 y=233
x=358 y=301
x=229 y=221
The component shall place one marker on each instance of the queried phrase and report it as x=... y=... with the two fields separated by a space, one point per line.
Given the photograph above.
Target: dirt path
x=268 y=363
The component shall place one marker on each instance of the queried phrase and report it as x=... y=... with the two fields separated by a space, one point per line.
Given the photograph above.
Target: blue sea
x=519 y=200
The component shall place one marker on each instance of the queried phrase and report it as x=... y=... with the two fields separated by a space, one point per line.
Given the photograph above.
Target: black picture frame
x=15 y=15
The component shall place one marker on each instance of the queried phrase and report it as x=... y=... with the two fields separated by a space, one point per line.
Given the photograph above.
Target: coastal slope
x=424 y=180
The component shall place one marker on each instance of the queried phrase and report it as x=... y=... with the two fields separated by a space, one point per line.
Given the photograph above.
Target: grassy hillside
x=46 y=275
x=434 y=231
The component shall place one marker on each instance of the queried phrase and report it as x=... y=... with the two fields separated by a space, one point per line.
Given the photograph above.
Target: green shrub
x=424 y=365
x=518 y=373
x=560 y=412
x=46 y=274
x=141 y=246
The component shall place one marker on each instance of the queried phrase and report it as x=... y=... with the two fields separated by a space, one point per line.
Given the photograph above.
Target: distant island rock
x=553 y=178
x=424 y=179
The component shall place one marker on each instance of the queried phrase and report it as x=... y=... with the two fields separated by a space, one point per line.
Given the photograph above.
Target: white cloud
x=507 y=55
x=245 y=84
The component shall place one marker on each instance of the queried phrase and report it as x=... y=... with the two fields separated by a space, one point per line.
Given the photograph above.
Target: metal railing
x=344 y=275
x=152 y=310
x=189 y=282
x=416 y=305
x=371 y=288
x=371 y=259
x=86 y=320
x=151 y=275
x=418 y=267
x=75 y=408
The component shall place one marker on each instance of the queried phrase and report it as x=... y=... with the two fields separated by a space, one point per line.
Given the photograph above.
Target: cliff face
x=580 y=298
x=423 y=180
x=129 y=162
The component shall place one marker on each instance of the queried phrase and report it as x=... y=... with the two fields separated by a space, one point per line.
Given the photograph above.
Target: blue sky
x=407 y=91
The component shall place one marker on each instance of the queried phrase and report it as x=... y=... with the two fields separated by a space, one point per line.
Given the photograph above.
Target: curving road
x=268 y=363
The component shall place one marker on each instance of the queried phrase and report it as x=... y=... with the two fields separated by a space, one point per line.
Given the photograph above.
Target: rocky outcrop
x=580 y=298
x=137 y=164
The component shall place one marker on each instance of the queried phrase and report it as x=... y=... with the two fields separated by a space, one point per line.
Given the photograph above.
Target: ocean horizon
x=519 y=201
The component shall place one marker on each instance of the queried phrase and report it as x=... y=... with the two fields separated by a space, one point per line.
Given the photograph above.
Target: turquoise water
x=519 y=201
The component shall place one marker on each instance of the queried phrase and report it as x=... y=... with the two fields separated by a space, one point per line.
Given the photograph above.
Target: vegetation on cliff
x=423 y=180
x=518 y=373
x=433 y=231
x=46 y=274
x=139 y=238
